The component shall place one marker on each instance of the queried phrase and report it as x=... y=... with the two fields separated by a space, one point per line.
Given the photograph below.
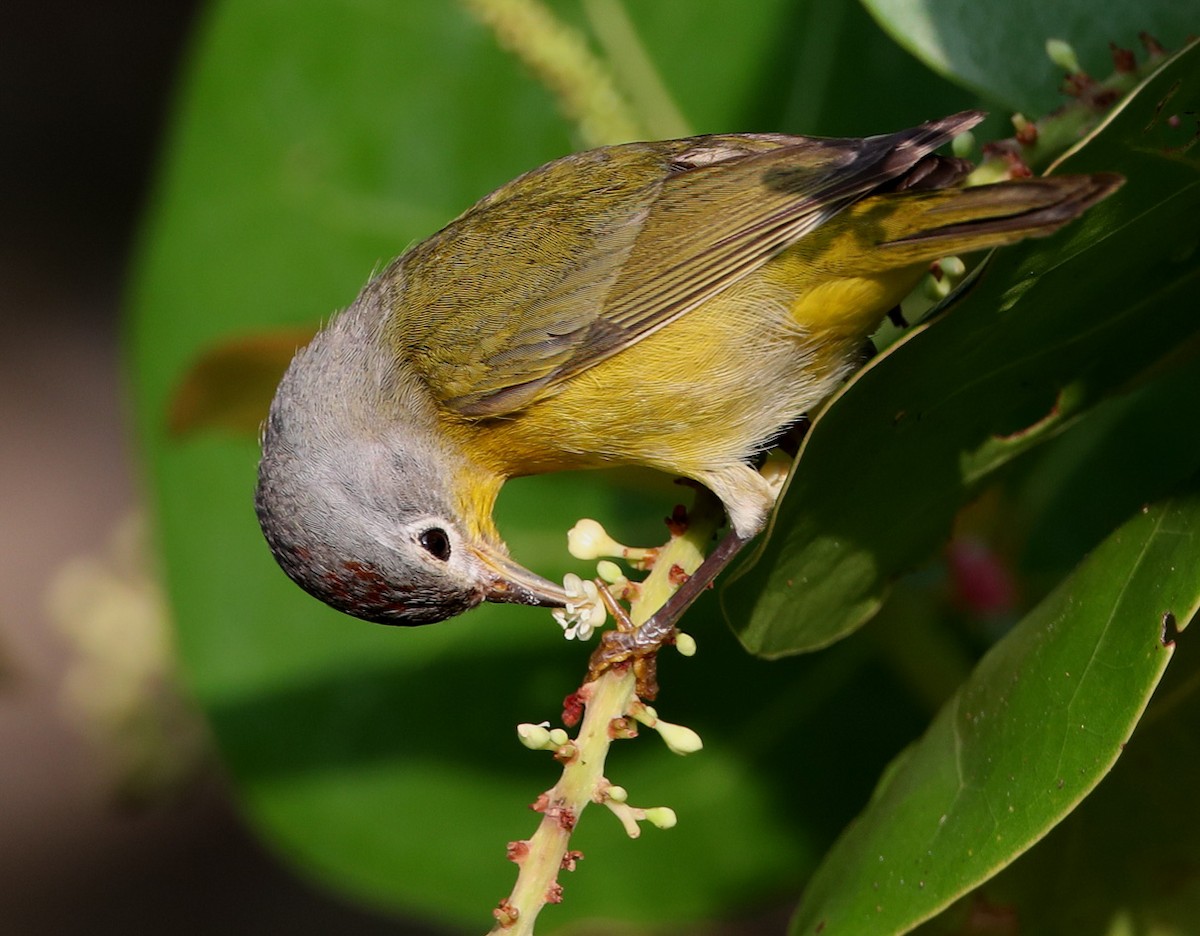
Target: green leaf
x=1049 y=329
x=679 y=38
x=1079 y=486
x=999 y=52
x=1124 y=861
x=1038 y=724
x=314 y=141
x=800 y=67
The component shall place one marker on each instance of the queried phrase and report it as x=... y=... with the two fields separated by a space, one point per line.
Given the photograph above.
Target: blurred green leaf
x=313 y=142
x=230 y=386
x=1032 y=731
x=681 y=39
x=1080 y=485
x=1048 y=330
x=800 y=67
x=1000 y=52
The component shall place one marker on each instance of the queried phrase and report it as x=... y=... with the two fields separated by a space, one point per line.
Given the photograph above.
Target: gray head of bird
x=354 y=493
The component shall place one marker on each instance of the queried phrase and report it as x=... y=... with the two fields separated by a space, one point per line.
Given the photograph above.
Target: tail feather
x=948 y=221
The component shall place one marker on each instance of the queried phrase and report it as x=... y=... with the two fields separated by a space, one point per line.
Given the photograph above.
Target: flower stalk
x=612 y=711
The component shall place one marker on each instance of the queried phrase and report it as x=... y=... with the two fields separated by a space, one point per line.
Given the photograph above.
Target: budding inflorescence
x=618 y=794
x=585 y=608
x=610 y=572
x=943 y=277
x=661 y=817
x=963 y=145
x=1063 y=55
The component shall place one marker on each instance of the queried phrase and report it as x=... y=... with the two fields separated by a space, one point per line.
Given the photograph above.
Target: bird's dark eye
x=435 y=542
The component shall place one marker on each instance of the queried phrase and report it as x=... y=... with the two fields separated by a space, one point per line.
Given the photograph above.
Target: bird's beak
x=514 y=584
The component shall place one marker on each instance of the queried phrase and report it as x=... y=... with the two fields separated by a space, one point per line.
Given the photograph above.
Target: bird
x=672 y=304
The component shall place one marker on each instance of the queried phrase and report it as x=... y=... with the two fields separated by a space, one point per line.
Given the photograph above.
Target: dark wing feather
x=575 y=261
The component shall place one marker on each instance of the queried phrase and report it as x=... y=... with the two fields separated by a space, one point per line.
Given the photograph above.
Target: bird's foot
x=631 y=645
x=638 y=646
x=638 y=649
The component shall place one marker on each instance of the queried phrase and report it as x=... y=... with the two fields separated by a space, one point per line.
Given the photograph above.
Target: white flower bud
x=953 y=267
x=680 y=739
x=937 y=289
x=589 y=540
x=662 y=817
x=609 y=571
x=534 y=737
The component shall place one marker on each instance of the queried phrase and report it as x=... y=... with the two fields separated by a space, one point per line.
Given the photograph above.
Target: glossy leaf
x=1038 y=724
x=1124 y=861
x=1049 y=329
x=1000 y=54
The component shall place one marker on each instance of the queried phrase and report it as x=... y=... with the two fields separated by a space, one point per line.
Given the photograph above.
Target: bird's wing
x=575 y=261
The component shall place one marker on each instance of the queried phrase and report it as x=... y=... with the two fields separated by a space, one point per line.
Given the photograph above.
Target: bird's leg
x=645 y=668
x=614 y=607
x=618 y=646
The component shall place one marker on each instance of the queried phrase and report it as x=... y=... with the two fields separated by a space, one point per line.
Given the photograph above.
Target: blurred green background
x=310 y=143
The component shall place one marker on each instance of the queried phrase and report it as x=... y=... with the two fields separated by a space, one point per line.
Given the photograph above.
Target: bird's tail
x=916 y=227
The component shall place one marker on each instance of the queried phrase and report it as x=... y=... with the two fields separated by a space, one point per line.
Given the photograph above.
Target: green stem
x=1060 y=131
x=607 y=698
x=635 y=71
x=582 y=782
x=559 y=58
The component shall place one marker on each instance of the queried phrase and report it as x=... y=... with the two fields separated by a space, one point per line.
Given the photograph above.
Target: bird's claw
x=636 y=649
